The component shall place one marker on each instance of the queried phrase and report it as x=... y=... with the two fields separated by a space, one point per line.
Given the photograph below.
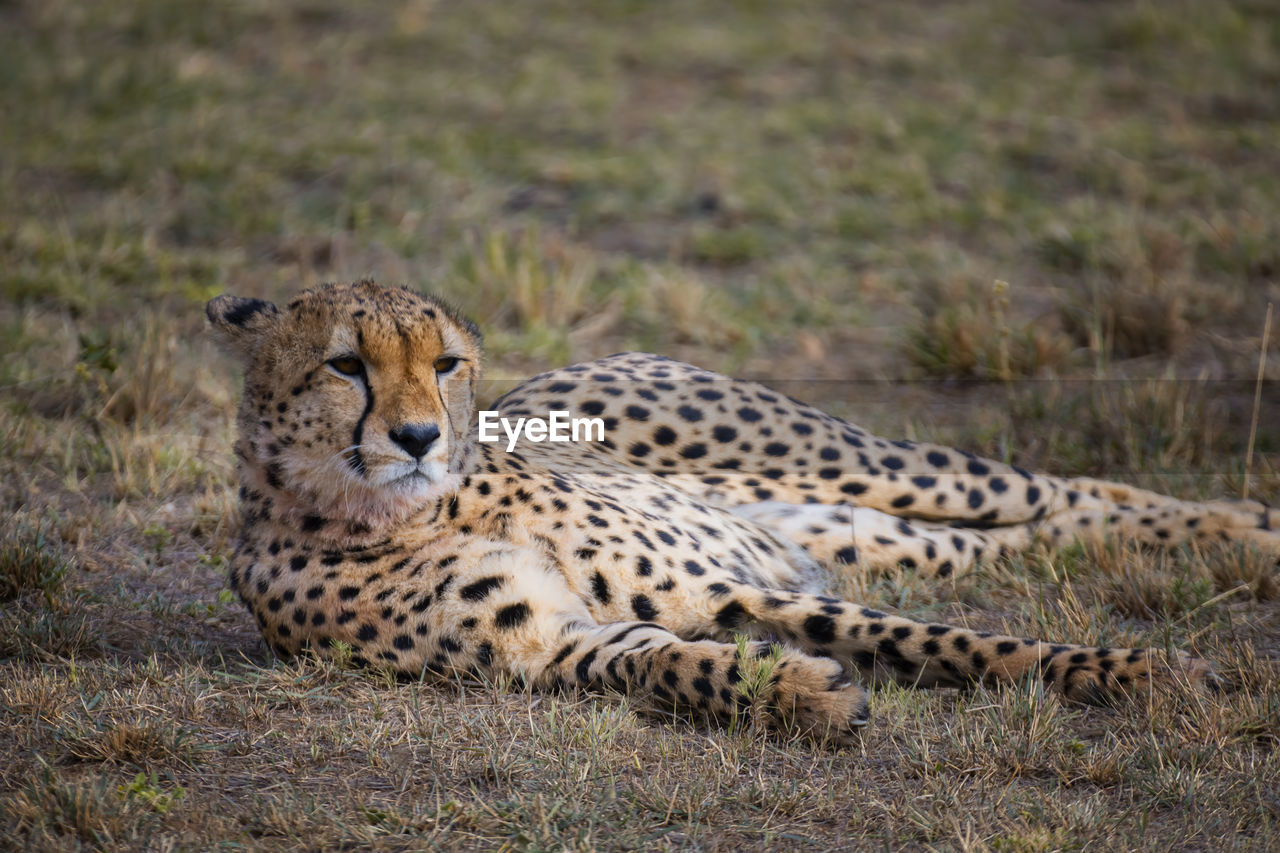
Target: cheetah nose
x=415 y=439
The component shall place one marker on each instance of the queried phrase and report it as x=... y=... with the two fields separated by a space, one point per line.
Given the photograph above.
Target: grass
x=30 y=562
x=821 y=196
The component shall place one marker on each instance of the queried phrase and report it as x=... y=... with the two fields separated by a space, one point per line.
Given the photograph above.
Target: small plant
x=1243 y=567
x=160 y=537
x=1117 y=429
x=88 y=810
x=1122 y=318
x=62 y=630
x=730 y=247
x=667 y=302
x=146 y=789
x=98 y=351
x=756 y=668
x=756 y=665
x=965 y=333
x=135 y=382
x=216 y=562
x=30 y=561
x=143 y=744
x=534 y=287
x=340 y=653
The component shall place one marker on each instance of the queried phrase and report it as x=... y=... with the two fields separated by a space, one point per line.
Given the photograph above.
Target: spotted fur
x=372 y=517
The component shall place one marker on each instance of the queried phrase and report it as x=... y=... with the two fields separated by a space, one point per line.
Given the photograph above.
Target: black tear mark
x=357 y=458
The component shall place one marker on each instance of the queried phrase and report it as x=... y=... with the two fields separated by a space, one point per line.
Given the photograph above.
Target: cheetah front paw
x=814 y=697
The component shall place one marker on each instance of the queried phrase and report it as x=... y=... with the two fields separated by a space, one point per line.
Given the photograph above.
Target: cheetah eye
x=446 y=363
x=347 y=365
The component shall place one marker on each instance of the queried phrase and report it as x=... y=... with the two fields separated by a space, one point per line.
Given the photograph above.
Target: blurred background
x=810 y=193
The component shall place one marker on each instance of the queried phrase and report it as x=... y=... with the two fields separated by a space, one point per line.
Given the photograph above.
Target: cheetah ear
x=239 y=323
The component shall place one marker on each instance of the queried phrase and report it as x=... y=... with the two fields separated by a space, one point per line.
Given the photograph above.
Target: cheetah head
x=358 y=400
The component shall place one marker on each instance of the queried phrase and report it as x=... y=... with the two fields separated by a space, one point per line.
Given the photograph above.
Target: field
x=820 y=195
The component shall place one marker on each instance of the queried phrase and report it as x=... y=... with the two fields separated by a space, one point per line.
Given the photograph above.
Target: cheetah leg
x=496 y=607
x=1165 y=525
x=810 y=695
x=1247 y=513
x=932 y=655
x=1013 y=508
x=869 y=541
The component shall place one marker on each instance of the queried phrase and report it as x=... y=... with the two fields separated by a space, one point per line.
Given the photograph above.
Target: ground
x=820 y=197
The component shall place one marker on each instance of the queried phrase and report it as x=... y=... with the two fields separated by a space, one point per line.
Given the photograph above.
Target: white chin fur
x=397 y=491
x=392 y=494
x=410 y=478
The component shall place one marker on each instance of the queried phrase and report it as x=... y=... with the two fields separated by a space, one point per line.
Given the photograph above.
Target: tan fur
x=713 y=507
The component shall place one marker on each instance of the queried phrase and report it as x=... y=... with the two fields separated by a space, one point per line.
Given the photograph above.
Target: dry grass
x=29 y=562
x=791 y=193
x=532 y=291
x=964 y=333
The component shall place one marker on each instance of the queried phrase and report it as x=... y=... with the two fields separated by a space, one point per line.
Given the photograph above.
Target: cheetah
x=374 y=524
